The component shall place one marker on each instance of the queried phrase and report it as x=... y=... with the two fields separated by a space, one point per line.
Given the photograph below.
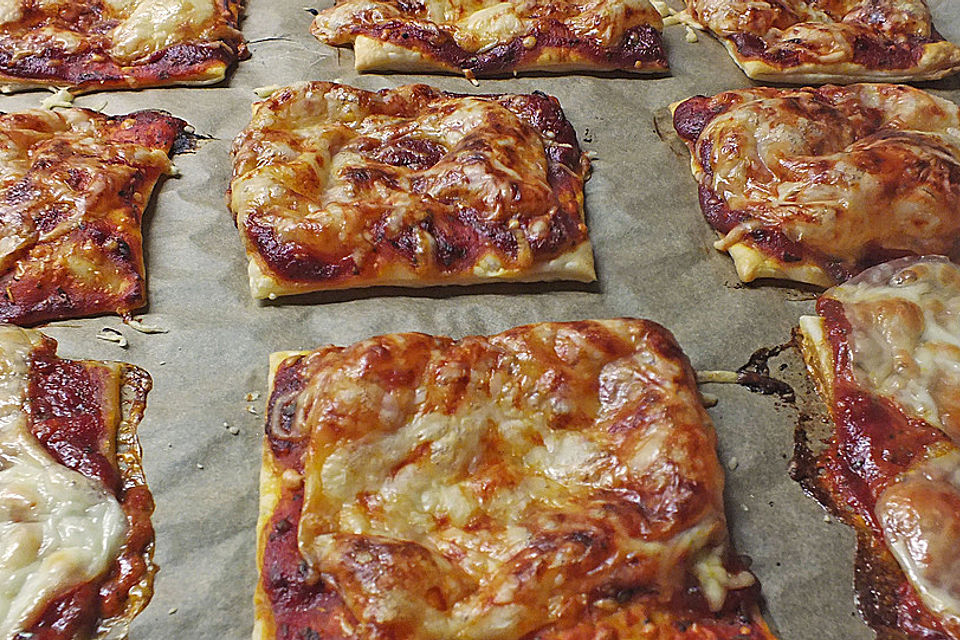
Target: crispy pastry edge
x=135 y=383
x=263 y=622
x=575 y=265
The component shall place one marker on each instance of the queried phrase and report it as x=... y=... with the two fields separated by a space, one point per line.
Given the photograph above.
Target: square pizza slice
x=555 y=481
x=816 y=184
x=884 y=350
x=91 y=45
x=815 y=41
x=73 y=188
x=75 y=531
x=483 y=38
x=334 y=187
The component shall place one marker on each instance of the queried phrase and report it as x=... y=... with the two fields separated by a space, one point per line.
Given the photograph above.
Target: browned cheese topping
x=335 y=187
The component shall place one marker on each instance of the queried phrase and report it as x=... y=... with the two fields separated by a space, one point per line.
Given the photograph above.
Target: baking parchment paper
x=654 y=257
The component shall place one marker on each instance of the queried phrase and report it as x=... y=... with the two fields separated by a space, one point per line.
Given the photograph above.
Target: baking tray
x=201 y=435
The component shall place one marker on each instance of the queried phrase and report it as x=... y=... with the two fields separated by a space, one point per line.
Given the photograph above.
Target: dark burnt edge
x=643 y=44
x=188 y=140
x=165 y=129
x=755 y=374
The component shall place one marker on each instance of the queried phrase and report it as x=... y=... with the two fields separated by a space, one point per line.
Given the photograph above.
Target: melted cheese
x=920 y=516
x=155 y=24
x=489 y=26
x=904 y=344
x=10 y=11
x=58 y=529
x=905 y=338
x=841 y=171
x=486 y=493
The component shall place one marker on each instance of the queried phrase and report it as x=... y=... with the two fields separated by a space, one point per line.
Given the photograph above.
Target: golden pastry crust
x=73 y=188
x=95 y=45
x=334 y=187
x=814 y=185
x=484 y=38
x=884 y=349
x=556 y=480
x=83 y=416
x=807 y=42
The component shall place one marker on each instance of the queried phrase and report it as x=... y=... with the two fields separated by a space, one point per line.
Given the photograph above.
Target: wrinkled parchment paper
x=201 y=437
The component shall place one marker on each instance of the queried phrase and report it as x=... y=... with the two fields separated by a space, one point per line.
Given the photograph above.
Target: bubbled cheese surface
x=487 y=488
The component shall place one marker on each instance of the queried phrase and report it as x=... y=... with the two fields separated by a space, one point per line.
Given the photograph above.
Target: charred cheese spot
x=495 y=487
x=807 y=41
x=335 y=187
x=817 y=184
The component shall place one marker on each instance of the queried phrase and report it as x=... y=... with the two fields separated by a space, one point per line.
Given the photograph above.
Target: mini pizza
x=555 y=481
x=90 y=45
x=884 y=350
x=815 y=41
x=480 y=38
x=334 y=187
x=73 y=187
x=815 y=185
x=77 y=543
